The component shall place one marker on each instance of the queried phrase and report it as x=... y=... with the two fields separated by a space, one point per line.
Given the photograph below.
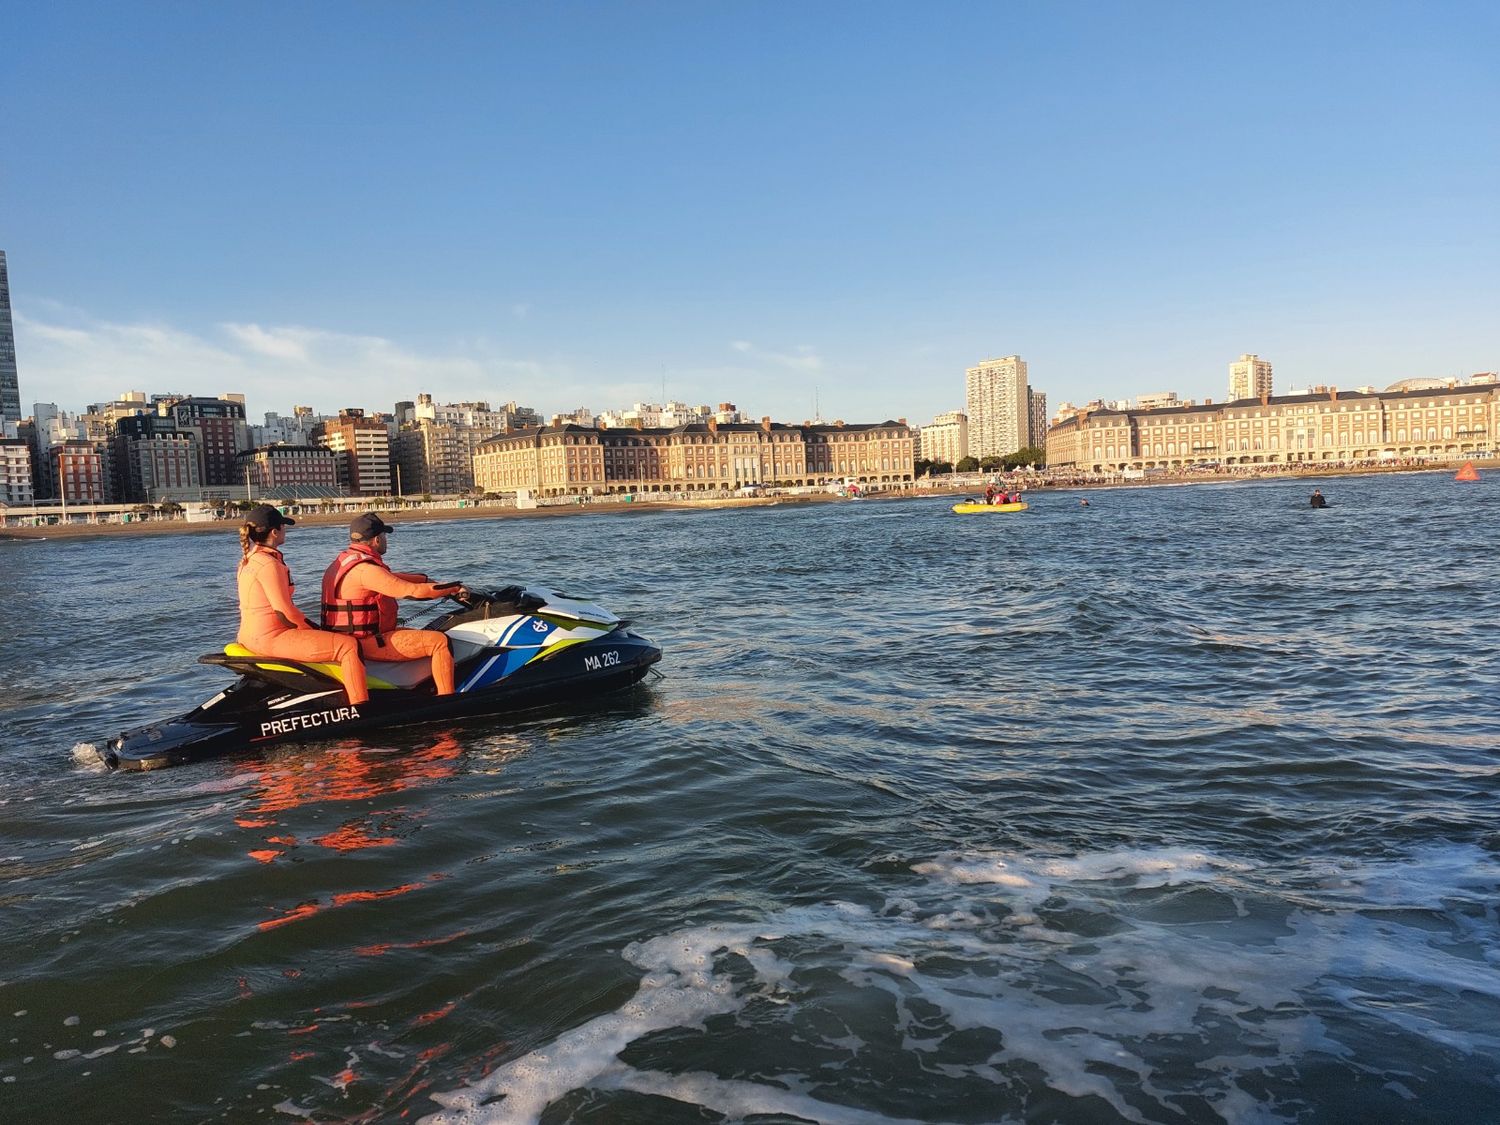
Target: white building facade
x=998 y=408
x=1249 y=377
x=15 y=472
x=946 y=439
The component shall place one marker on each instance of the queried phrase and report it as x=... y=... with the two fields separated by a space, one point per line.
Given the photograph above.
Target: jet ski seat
x=380 y=675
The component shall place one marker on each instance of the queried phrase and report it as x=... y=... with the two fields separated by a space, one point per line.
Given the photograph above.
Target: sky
x=829 y=208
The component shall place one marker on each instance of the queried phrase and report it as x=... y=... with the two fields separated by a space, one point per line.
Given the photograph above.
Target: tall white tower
x=1249 y=377
x=999 y=421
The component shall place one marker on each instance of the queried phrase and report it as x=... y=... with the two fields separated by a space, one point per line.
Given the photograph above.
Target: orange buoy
x=1468 y=472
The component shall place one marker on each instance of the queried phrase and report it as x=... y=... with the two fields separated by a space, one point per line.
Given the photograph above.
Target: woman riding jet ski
x=513 y=648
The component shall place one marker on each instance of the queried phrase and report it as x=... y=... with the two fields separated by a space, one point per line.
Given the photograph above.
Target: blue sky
x=573 y=204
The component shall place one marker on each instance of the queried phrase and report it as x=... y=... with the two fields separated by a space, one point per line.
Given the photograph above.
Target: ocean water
x=1182 y=807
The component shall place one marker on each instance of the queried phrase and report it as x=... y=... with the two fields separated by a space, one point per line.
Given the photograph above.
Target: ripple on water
x=1177 y=807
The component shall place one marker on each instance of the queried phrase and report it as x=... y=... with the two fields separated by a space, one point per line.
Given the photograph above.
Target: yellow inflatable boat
x=974 y=507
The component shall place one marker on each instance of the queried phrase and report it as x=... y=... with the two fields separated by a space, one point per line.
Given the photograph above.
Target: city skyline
x=598 y=206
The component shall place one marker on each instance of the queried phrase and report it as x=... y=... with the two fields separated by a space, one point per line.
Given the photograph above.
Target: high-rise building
x=364 y=446
x=436 y=458
x=946 y=440
x=78 y=472
x=152 y=459
x=1036 y=419
x=1249 y=377
x=219 y=425
x=998 y=408
x=15 y=472
x=10 y=383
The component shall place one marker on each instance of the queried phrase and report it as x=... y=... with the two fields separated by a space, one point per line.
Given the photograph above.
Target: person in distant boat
x=1317 y=500
x=989 y=494
x=270 y=624
x=359 y=599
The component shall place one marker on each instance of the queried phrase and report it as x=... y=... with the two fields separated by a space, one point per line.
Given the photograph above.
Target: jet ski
x=512 y=649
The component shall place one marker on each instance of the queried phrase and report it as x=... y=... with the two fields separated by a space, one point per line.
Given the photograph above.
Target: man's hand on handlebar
x=457 y=591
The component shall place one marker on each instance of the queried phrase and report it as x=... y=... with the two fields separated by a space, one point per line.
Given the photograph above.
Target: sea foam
x=1144 y=979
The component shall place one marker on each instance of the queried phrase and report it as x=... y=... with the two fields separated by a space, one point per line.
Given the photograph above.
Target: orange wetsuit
x=271 y=625
x=372 y=581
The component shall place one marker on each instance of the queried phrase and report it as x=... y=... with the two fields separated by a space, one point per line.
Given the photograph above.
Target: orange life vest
x=366 y=616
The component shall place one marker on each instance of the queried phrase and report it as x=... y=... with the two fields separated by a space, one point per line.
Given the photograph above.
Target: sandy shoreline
x=396 y=516
x=482 y=512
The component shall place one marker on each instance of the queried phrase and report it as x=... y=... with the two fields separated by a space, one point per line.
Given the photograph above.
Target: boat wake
x=86 y=757
x=1133 y=985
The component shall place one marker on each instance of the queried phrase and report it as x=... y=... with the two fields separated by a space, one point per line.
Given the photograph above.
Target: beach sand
x=396 y=515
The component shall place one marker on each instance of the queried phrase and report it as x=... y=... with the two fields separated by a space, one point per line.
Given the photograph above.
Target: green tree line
x=1031 y=455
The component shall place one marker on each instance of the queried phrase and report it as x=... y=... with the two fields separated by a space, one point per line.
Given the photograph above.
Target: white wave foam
x=1139 y=978
x=86 y=757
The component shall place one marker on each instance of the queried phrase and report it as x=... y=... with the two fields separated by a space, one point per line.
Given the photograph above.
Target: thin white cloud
x=276 y=345
x=802 y=358
x=275 y=367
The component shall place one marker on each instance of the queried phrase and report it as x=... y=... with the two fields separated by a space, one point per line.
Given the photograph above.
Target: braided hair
x=251 y=537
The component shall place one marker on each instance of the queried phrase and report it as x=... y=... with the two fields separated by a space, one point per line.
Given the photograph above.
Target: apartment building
x=363 y=448
x=435 y=458
x=998 y=409
x=569 y=460
x=291 y=470
x=1291 y=429
x=946 y=439
x=1036 y=418
x=79 y=472
x=1249 y=377
x=151 y=457
x=221 y=430
x=15 y=472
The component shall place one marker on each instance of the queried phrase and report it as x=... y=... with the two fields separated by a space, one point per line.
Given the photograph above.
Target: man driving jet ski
x=359 y=598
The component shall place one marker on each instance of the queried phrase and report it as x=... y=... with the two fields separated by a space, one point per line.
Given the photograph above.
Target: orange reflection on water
x=349 y=775
x=322 y=775
x=436 y=1014
x=347 y=897
x=344 y=898
x=351 y=837
x=381 y=948
x=306 y=910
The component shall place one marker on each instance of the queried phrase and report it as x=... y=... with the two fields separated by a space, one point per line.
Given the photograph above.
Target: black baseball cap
x=368 y=525
x=263 y=517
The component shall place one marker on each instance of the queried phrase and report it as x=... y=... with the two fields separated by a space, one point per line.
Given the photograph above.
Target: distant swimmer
x=1083 y=503
x=1317 y=500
